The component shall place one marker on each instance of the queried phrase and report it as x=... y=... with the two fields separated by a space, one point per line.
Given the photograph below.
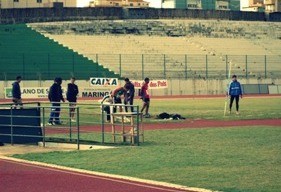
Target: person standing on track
x=16 y=93
x=71 y=96
x=55 y=96
x=234 y=92
x=145 y=98
x=129 y=94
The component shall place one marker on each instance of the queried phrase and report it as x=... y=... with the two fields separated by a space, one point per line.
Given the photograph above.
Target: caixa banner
x=103 y=82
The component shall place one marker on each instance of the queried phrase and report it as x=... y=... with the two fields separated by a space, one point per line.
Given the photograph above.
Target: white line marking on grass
x=106 y=176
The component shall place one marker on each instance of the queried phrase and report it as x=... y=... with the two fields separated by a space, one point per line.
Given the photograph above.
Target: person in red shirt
x=145 y=97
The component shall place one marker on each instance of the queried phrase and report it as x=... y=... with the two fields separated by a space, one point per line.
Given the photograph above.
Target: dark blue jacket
x=130 y=90
x=234 y=89
x=16 y=90
x=72 y=92
x=55 y=93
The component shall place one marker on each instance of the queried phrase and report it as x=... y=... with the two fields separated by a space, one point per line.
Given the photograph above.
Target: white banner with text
x=153 y=84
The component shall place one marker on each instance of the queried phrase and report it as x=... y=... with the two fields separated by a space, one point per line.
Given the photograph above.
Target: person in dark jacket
x=16 y=92
x=71 y=96
x=234 y=91
x=55 y=97
x=129 y=94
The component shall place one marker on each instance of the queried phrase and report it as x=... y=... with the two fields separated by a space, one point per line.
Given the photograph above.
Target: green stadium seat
x=26 y=52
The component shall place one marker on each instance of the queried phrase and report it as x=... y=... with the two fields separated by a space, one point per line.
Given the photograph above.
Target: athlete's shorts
x=146 y=100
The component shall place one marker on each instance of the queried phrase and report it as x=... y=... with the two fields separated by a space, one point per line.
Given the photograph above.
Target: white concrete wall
x=175 y=86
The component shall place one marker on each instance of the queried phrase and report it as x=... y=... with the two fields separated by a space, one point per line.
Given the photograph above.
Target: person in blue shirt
x=234 y=92
x=55 y=96
x=16 y=92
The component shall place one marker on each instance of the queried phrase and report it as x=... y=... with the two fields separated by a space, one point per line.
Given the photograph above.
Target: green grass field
x=250 y=108
x=226 y=159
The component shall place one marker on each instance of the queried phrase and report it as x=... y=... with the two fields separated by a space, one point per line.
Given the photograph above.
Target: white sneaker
x=73 y=120
x=147 y=115
x=50 y=123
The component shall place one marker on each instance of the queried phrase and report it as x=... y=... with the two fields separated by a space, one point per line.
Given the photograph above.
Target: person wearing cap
x=16 y=92
x=234 y=92
x=55 y=97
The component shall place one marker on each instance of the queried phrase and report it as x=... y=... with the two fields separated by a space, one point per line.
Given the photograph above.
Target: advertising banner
x=93 y=93
x=42 y=92
x=102 y=82
x=153 y=84
x=31 y=92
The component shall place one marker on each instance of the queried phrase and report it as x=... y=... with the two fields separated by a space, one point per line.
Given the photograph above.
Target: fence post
x=23 y=65
x=49 y=75
x=138 y=127
x=73 y=62
x=97 y=58
x=246 y=67
x=164 y=66
x=265 y=67
x=78 y=128
x=70 y=123
x=43 y=126
x=102 y=124
x=142 y=66
x=120 y=63
x=12 y=127
x=185 y=66
x=226 y=66
x=206 y=66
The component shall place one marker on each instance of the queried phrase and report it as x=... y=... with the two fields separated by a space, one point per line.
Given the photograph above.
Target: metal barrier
x=79 y=123
x=138 y=66
x=26 y=127
x=127 y=125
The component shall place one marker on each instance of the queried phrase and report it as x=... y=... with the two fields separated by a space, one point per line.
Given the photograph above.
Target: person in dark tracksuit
x=234 y=91
x=16 y=92
x=71 y=96
x=129 y=94
x=55 y=97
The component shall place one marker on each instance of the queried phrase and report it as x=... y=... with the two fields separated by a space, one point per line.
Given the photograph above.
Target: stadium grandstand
x=174 y=48
x=28 y=53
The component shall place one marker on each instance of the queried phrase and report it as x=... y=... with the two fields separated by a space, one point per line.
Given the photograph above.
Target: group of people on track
x=55 y=96
x=127 y=91
x=128 y=94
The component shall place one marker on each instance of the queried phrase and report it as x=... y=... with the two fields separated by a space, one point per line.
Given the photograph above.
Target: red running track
x=186 y=124
x=17 y=177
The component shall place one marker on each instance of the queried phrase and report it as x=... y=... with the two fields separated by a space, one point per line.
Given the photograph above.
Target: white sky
x=155 y=3
x=83 y=3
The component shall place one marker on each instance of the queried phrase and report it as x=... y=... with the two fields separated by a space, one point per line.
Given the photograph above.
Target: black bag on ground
x=177 y=116
x=163 y=116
